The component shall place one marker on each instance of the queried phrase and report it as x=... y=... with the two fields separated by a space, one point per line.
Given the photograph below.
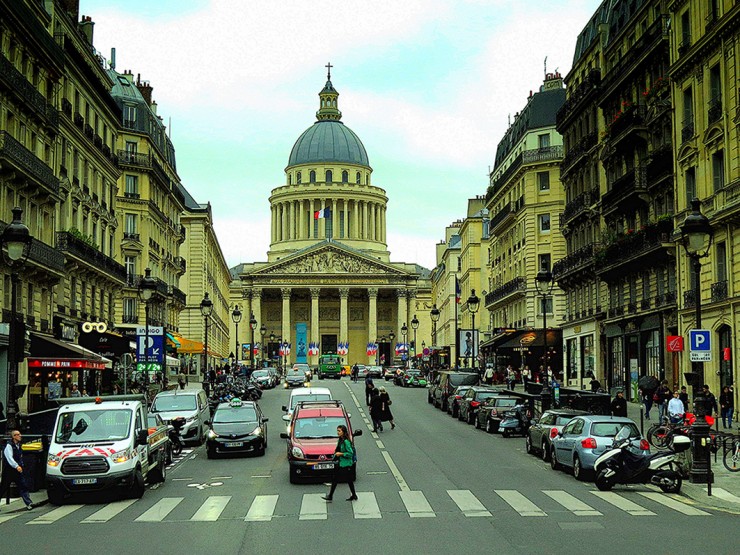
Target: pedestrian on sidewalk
x=369 y=386
x=13 y=468
x=386 y=414
x=75 y=391
x=526 y=376
x=684 y=396
x=662 y=396
x=376 y=410
x=710 y=401
x=675 y=409
x=181 y=380
x=619 y=405
x=727 y=406
x=344 y=454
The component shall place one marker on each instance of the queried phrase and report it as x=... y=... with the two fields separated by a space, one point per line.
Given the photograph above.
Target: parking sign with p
x=700 y=348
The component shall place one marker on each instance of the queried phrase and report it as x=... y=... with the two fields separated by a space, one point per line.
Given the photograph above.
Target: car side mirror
x=285 y=408
x=284 y=435
x=357 y=433
x=265 y=419
x=142 y=437
x=286 y=418
x=561 y=433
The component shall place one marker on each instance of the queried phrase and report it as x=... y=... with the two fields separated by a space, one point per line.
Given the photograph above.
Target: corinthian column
x=372 y=319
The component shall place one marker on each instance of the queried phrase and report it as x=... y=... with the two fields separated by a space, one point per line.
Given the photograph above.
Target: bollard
x=642 y=422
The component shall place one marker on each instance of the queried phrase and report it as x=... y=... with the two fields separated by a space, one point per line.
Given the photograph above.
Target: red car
x=312 y=439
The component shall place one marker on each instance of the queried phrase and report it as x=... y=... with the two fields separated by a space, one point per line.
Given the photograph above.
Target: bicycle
x=731 y=457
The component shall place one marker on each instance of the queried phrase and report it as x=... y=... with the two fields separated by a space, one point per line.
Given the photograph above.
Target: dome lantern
x=328 y=109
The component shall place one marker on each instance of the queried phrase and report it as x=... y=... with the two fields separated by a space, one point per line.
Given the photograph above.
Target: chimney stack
x=86 y=26
x=145 y=89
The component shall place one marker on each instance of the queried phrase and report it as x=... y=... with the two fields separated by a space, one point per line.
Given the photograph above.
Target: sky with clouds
x=427 y=85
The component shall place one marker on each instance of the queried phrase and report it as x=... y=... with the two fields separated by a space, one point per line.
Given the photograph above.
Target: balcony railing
x=578 y=259
x=631 y=118
x=719 y=291
x=725 y=202
x=129 y=194
x=516 y=285
x=542 y=154
x=582 y=202
x=133 y=159
x=689 y=298
x=181 y=263
x=685 y=44
x=584 y=90
x=66 y=242
x=687 y=131
x=714 y=113
x=177 y=295
x=27 y=162
x=578 y=150
x=633 y=182
x=131 y=236
x=635 y=250
x=130 y=319
x=27 y=93
x=661 y=163
x=499 y=217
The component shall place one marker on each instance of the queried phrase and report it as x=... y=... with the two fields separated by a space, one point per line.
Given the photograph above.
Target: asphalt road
x=432 y=485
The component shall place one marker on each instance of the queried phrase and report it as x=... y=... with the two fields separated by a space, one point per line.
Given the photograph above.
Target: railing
x=516 y=285
x=181 y=263
x=129 y=194
x=726 y=199
x=542 y=154
x=27 y=162
x=633 y=117
x=576 y=260
x=587 y=87
x=130 y=319
x=715 y=110
x=669 y=297
x=689 y=298
x=500 y=216
x=719 y=291
x=133 y=159
x=177 y=294
x=579 y=204
x=160 y=174
x=31 y=98
x=685 y=44
x=504 y=177
x=630 y=248
x=632 y=307
x=129 y=123
x=578 y=150
x=711 y=20
x=131 y=236
x=66 y=242
x=632 y=182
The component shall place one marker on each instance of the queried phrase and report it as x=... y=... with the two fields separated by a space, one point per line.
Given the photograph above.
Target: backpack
x=354 y=452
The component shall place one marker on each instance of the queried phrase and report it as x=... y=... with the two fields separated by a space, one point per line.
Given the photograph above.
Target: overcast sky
x=427 y=85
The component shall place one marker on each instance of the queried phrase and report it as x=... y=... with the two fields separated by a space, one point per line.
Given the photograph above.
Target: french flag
x=325 y=213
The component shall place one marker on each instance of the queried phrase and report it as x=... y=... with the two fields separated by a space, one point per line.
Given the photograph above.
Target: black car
x=492 y=410
x=453 y=401
x=445 y=383
x=538 y=438
x=472 y=400
x=237 y=427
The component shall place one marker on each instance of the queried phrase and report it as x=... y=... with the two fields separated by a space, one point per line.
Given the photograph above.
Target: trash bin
x=33 y=471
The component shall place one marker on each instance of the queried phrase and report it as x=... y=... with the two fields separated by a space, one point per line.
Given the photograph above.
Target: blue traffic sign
x=155 y=350
x=700 y=340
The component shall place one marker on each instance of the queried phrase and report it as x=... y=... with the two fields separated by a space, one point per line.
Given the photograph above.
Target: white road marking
x=159 y=511
x=109 y=511
x=379 y=444
x=467 y=502
x=416 y=504
x=366 y=506
x=621 y=503
x=6 y=518
x=313 y=507
x=180 y=479
x=54 y=515
x=211 y=508
x=394 y=470
x=261 y=476
x=262 y=508
x=674 y=504
x=519 y=503
x=578 y=507
x=726 y=495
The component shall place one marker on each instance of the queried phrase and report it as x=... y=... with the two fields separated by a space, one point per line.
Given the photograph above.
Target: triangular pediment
x=329 y=259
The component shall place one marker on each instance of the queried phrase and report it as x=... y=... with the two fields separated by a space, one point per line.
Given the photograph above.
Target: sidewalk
x=726 y=486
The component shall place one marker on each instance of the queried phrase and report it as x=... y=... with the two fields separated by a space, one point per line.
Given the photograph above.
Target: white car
x=305 y=394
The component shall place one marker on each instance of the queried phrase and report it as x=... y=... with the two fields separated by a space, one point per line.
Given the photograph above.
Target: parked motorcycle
x=620 y=465
x=515 y=421
x=174 y=435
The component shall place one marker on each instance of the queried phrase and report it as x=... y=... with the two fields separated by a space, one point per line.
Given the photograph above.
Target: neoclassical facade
x=328 y=278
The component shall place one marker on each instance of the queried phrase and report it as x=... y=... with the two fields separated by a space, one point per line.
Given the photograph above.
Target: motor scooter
x=619 y=465
x=514 y=421
x=174 y=435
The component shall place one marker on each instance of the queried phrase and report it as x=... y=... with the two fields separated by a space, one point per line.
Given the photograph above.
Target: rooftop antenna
x=545 y=65
x=113 y=58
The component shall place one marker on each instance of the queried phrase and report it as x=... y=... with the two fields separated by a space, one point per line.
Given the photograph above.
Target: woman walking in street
x=345 y=455
x=376 y=410
x=386 y=415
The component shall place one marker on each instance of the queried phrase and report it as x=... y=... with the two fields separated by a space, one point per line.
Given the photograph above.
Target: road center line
x=394 y=470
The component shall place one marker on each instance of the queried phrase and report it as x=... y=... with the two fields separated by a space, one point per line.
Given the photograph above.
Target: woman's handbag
x=389 y=403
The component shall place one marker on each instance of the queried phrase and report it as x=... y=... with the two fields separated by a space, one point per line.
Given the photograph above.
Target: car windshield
x=312 y=397
x=505 y=402
x=173 y=403
x=562 y=420
x=413 y=372
x=94 y=425
x=301 y=367
x=329 y=360
x=319 y=427
x=483 y=395
x=260 y=374
x=610 y=429
x=459 y=379
x=230 y=415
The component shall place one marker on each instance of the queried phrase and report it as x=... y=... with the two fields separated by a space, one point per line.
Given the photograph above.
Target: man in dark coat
x=12 y=464
x=376 y=410
x=619 y=405
x=369 y=386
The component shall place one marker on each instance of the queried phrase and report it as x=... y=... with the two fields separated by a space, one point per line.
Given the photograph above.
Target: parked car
x=361 y=371
x=375 y=371
x=263 y=378
x=492 y=410
x=471 y=401
x=305 y=368
x=413 y=378
x=453 y=403
x=191 y=404
x=389 y=372
x=446 y=382
x=585 y=438
x=237 y=427
x=312 y=438
x=537 y=440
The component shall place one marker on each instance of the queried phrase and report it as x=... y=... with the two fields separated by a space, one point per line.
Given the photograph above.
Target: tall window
x=345 y=176
x=299 y=178
x=73 y=293
x=688 y=107
x=543 y=180
x=29 y=300
x=544 y=223
x=129 y=116
x=329 y=176
x=721 y=258
x=715 y=83
x=129 y=309
x=312 y=176
x=130 y=223
x=718 y=170
x=685 y=30
x=544 y=262
x=130 y=263
x=690 y=185
x=543 y=141
x=357 y=178
x=328 y=227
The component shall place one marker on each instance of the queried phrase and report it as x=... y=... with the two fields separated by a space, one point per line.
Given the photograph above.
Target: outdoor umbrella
x=647 y=383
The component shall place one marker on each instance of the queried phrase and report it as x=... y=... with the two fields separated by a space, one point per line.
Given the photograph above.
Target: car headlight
x=257 y=431
x=297 y=453
x=121 y=456
x=212 y=435
x=53 y=460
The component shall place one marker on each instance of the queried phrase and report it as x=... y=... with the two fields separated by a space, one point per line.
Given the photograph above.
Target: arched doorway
x=724 y=334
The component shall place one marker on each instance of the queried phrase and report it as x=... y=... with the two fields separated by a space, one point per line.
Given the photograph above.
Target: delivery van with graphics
x=104 y=444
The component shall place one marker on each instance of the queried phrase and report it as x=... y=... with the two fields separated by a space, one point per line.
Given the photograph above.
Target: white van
x=191 y=404
x=305 y=394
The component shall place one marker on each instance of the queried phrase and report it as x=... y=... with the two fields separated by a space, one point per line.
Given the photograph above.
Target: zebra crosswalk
x=311 y=506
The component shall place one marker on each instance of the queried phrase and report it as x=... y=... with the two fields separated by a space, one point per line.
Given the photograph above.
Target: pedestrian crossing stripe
x=313 y=507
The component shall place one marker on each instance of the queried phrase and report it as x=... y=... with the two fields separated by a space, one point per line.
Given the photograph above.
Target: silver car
x=585 y=438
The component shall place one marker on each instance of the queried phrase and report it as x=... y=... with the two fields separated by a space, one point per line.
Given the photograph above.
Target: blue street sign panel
x=155 y=350
x=700 y=347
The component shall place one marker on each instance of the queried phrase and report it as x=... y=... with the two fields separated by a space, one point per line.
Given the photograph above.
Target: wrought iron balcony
x=689 y=298
x=714 y=113
x=725 y=203
x=133 y=159
x=29 y=166
x=181 y=263
x=578 y=151
x=625 y=188
x=687 y=131
x=660 y=164
x=579 y=204
x=630 y=120
x=515 y=286
x=130 y=319
x=31 y=98
x=719 y=291
x=579 y=259
x=131 y=236
x=89 y=255
x=685 y=44
x=177 y=295
x=542 y=154
x=588 y=88
x=634 y=251
x=129 y=194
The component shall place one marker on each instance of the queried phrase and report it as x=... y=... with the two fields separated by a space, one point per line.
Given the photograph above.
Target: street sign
x=154 y=351
x=700 y=348
x=153 y=330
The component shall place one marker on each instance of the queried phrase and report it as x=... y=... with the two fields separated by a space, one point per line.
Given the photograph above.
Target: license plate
x=328 y=466
x=234 y=444
x=84 y=481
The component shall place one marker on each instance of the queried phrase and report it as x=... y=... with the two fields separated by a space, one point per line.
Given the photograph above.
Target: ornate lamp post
x=252 y=326
x=263 y=331
x=415 y=326
x=391 y=337
x=236 y=317
x=473 y=305
x=15 y=243
x=272 y=340
x=147 y=287
x=544 y=284
x=697 y=235
x=404 y=332
x=434 y=314
x=206 y=309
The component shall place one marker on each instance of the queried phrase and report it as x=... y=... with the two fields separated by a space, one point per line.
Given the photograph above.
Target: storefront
x=525 y=348
x=580 y=353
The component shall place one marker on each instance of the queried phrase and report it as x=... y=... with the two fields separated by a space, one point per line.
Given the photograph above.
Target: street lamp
x=434 y=314
x=696 y=235
x=404 y=332
x=252 y=326
x=473 y=305
x=147 y=287
x=272 y=341
x=544 y=284
x=415 y=326
x=15 y=243
x=236 y=317
x=391 y=337
x=263 y=331
x=206 y=309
